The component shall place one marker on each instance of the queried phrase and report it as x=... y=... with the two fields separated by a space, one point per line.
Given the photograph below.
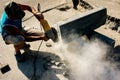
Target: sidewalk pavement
x=112 y=6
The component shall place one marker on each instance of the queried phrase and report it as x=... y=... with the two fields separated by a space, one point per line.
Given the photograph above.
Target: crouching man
x=12 y=30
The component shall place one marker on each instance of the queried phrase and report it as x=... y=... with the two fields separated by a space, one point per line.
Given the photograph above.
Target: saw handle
x=38 y=7
x=39 y=15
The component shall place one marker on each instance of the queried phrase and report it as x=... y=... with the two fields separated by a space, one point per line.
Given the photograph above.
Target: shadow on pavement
x=39 y=65
x=65 y=8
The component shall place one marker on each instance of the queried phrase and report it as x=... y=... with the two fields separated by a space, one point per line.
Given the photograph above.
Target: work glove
x=45 y=38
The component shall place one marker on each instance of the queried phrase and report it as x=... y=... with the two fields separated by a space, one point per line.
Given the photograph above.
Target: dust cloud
x=86 y=60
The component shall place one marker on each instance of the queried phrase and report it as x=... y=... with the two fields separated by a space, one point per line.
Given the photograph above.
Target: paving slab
x=111 y=5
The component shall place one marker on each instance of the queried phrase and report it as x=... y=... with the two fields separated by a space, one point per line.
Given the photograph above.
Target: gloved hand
x=45 y=38
x=39 y=16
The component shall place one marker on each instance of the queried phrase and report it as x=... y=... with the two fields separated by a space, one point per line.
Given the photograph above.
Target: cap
x=14 y=10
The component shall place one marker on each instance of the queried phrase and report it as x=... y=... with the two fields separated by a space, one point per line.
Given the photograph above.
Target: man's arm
x=27 y=7
x=37 y=14
x=14 y=31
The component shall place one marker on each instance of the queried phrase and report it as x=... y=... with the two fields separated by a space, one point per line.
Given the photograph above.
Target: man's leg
x=18 y=54
x=34 y=35
x=18 y=42
x=75 y=4
x=19 y=46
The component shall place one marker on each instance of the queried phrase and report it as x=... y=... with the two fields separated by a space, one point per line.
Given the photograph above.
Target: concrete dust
x=86 y=60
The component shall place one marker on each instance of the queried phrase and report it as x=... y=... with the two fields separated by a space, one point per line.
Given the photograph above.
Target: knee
x=20 y=45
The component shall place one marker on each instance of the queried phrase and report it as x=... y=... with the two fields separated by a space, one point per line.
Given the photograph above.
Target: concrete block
x=3 y=66
x=83 y=23
x=105 y=39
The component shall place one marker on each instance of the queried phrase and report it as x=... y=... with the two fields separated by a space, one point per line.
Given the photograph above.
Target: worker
x=75 y=3
x=12 y=30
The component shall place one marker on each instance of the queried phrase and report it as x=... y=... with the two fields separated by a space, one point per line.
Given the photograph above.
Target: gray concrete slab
x=83 y=23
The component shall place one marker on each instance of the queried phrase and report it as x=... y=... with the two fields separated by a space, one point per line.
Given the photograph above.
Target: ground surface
x=46 y=65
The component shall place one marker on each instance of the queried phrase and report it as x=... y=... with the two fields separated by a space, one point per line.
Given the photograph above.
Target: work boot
x=19 y=57
x=26 y=47
x=75 y=8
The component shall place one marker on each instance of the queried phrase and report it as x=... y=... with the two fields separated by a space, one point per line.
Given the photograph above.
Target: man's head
x=14 y=10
